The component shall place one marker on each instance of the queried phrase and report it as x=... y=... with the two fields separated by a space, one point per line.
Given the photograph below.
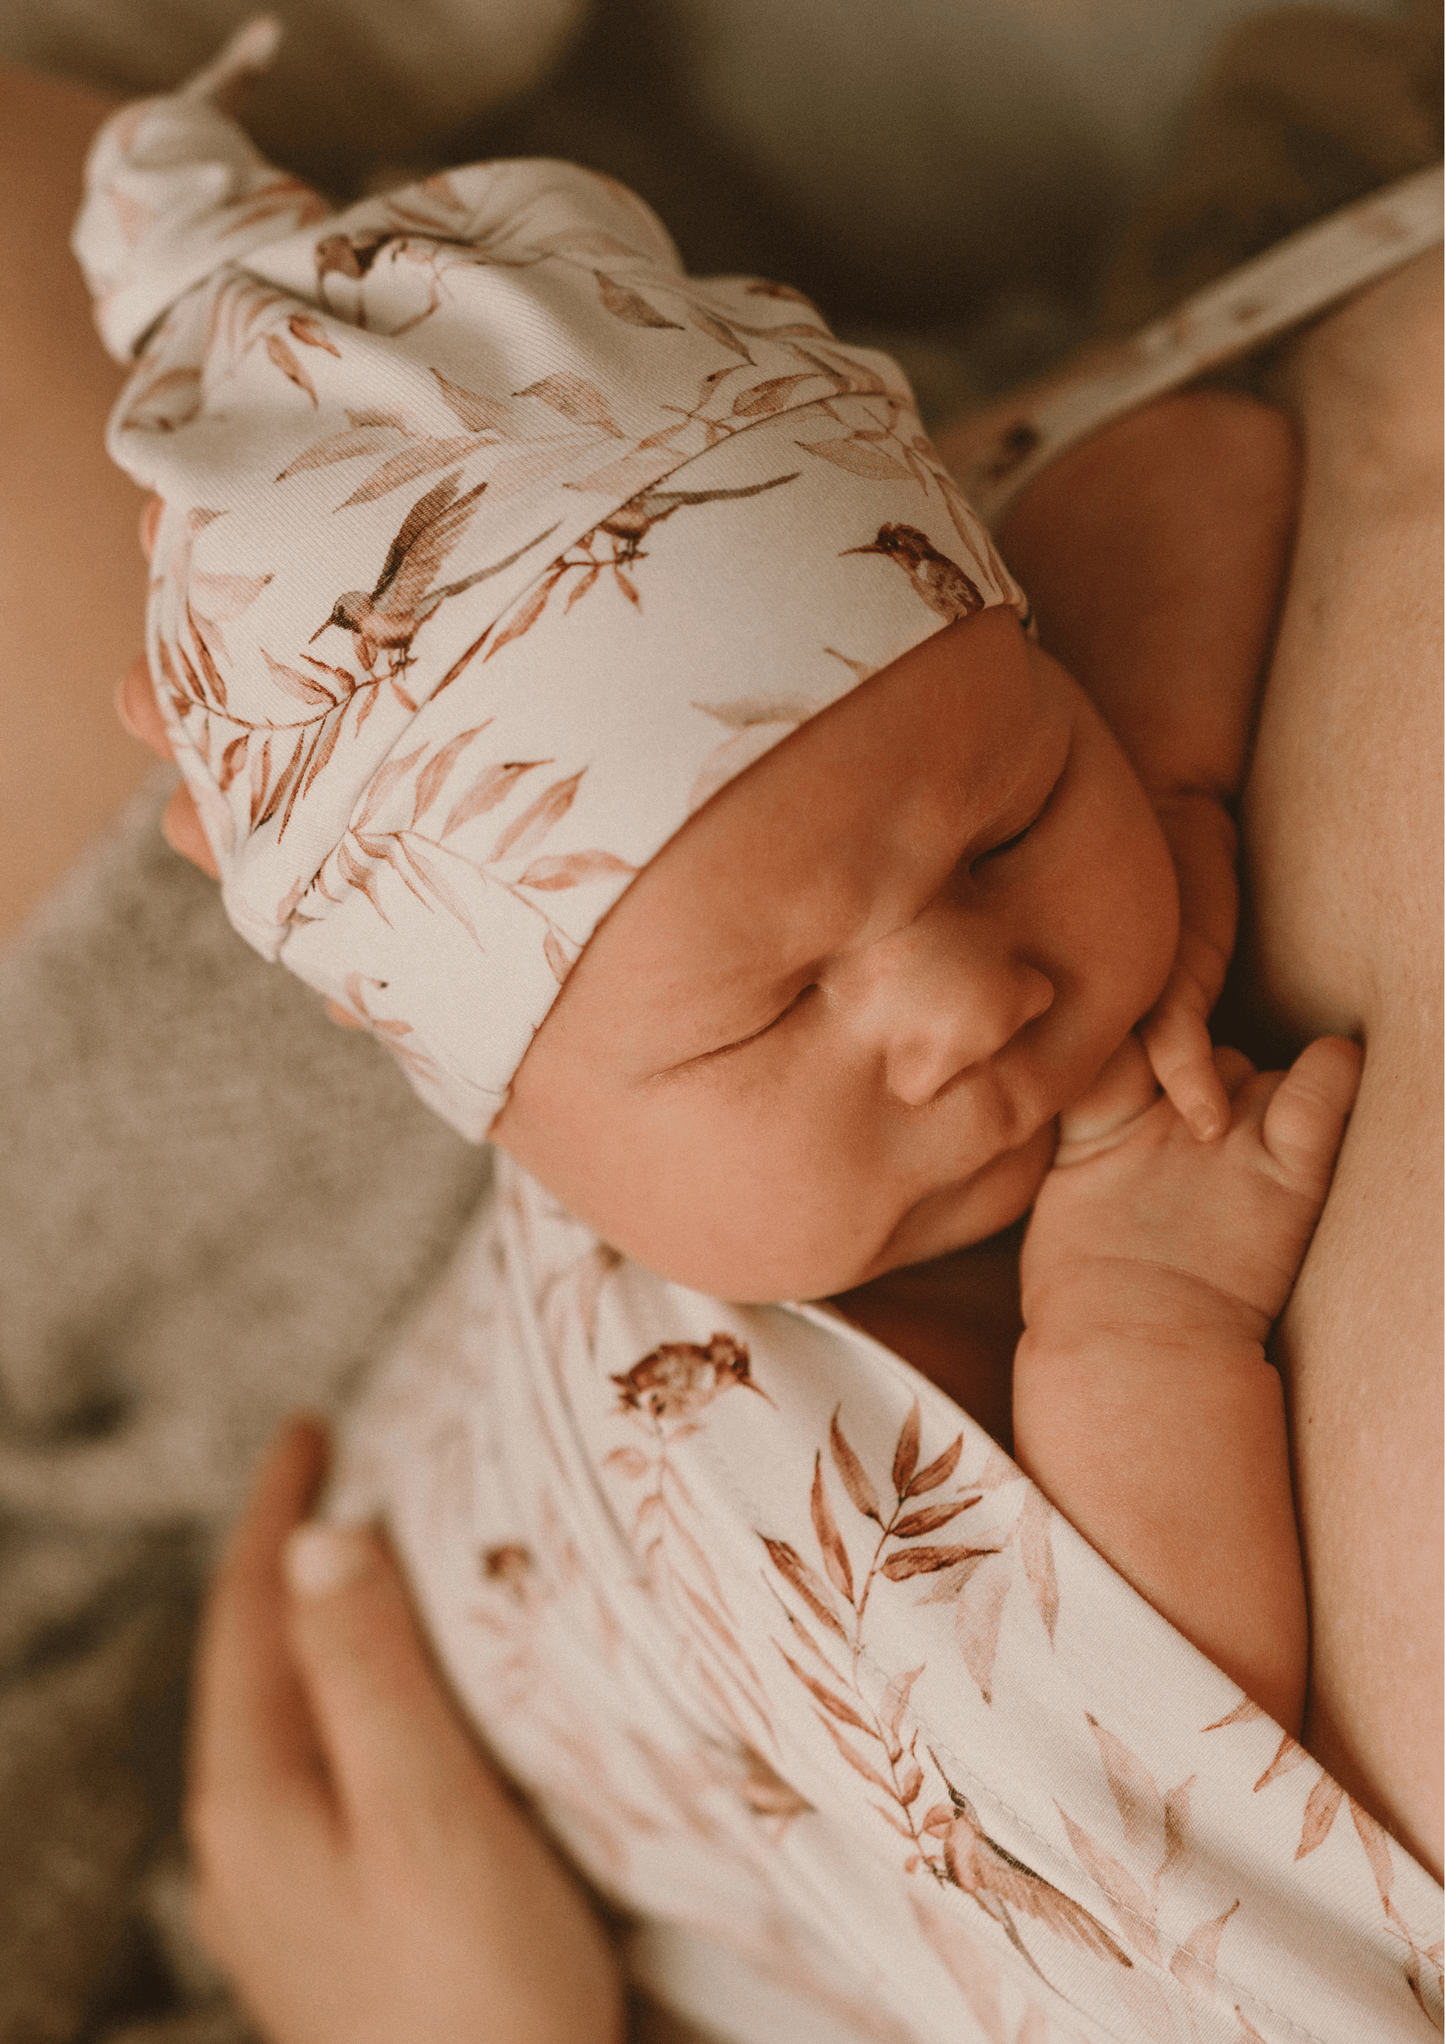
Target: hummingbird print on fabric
x=624 y=531
x=388 y=617
x=942 y=584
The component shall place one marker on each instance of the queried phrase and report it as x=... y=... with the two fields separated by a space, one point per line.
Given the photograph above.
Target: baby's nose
x=946 y=998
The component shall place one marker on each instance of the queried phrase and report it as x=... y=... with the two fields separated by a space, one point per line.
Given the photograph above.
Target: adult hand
x=362 y=1875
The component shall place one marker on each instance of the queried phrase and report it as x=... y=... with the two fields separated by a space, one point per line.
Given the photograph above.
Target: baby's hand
x=1175 y=1032
x=1138 y=1228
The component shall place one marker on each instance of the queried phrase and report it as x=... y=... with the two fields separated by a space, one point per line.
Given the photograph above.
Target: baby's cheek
x=1133 y=902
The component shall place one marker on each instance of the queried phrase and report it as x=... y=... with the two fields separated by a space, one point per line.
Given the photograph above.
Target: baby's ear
x=138 y=710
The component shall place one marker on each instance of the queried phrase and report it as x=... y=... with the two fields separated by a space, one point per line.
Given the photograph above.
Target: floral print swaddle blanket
x=814 y=1685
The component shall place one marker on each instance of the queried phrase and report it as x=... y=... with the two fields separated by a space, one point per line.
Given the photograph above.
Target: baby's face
x=827 y=1030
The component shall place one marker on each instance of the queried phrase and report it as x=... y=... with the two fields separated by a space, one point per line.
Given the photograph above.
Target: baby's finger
x=1304 y=1123
x=1176 y=1038
x=1233 y=1067
x=1123 y=1090
x=183 y=831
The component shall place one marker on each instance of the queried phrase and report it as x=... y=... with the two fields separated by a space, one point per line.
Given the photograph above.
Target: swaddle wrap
x=493 y=546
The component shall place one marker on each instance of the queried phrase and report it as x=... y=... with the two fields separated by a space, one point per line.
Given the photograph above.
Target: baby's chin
x=957 y=1216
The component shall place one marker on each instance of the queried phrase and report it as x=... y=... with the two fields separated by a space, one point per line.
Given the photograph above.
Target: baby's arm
x=1155 y=554
x=1144 y=1406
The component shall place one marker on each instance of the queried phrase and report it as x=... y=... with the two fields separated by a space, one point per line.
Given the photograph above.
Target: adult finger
x=183 y=831
x=251 y=1734
x=394 y=1745
x=1304 y=1123
x=138 y=710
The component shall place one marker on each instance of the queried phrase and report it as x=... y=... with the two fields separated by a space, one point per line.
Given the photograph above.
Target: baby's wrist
x=1110 y=1307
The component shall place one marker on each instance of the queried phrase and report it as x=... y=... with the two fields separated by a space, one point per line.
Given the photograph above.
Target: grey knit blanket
x=214 y=1207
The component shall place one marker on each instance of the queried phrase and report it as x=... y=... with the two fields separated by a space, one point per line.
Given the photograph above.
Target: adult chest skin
x=1341 y=931
x=1341 y=826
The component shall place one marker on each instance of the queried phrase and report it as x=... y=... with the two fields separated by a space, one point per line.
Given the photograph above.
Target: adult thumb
x=386 y=1726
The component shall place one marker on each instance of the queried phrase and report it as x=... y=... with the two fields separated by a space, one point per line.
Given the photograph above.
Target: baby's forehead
x=898 y=773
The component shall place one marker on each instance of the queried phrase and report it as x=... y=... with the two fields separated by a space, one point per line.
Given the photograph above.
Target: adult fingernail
x=320 y=1560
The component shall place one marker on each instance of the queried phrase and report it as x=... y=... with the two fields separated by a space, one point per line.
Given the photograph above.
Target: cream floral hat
x=493 y=545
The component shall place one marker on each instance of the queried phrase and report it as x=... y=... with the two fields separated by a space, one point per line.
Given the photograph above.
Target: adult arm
x=73 y=590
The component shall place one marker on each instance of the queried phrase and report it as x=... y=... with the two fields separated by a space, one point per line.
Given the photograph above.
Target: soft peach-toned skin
x=827 y=1030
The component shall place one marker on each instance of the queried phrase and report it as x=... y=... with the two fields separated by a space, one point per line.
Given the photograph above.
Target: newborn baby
x=592 y=681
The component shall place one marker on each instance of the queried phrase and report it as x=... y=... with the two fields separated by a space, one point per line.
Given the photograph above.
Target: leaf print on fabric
x=165 y=404
x=303 y=327
x=477 y=413
x=1321 y=1809
x=668 y=1394
x=511 y=1565
x=971 y=1968
x=1036 y=1552
x=1141 y=1807
x=1007 y=1890
x=979 y=1619
x=851 y=1470
x=1193 y=1965
x=927 y=1561
x=835 y=1554
x=392 y=1032
x=890 y=1763
x=227 y=597
x=536 y=820
x=766 y=1791
x=1136 y=1909
x=571 y=869
x=859 y=459
x=1317 y=1824
x=795 y=1571
x=491 y=788
x=629 y=306
x=575 y=398
x=718 y=330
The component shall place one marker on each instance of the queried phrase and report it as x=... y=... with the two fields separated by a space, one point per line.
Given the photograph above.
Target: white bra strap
x=1288 y=284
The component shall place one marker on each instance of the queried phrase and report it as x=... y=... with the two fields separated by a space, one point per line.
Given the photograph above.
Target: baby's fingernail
x=1207 y=1123
x=320 y=1560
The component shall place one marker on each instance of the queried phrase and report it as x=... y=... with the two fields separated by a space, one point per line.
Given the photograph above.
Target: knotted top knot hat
x=493 y=545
